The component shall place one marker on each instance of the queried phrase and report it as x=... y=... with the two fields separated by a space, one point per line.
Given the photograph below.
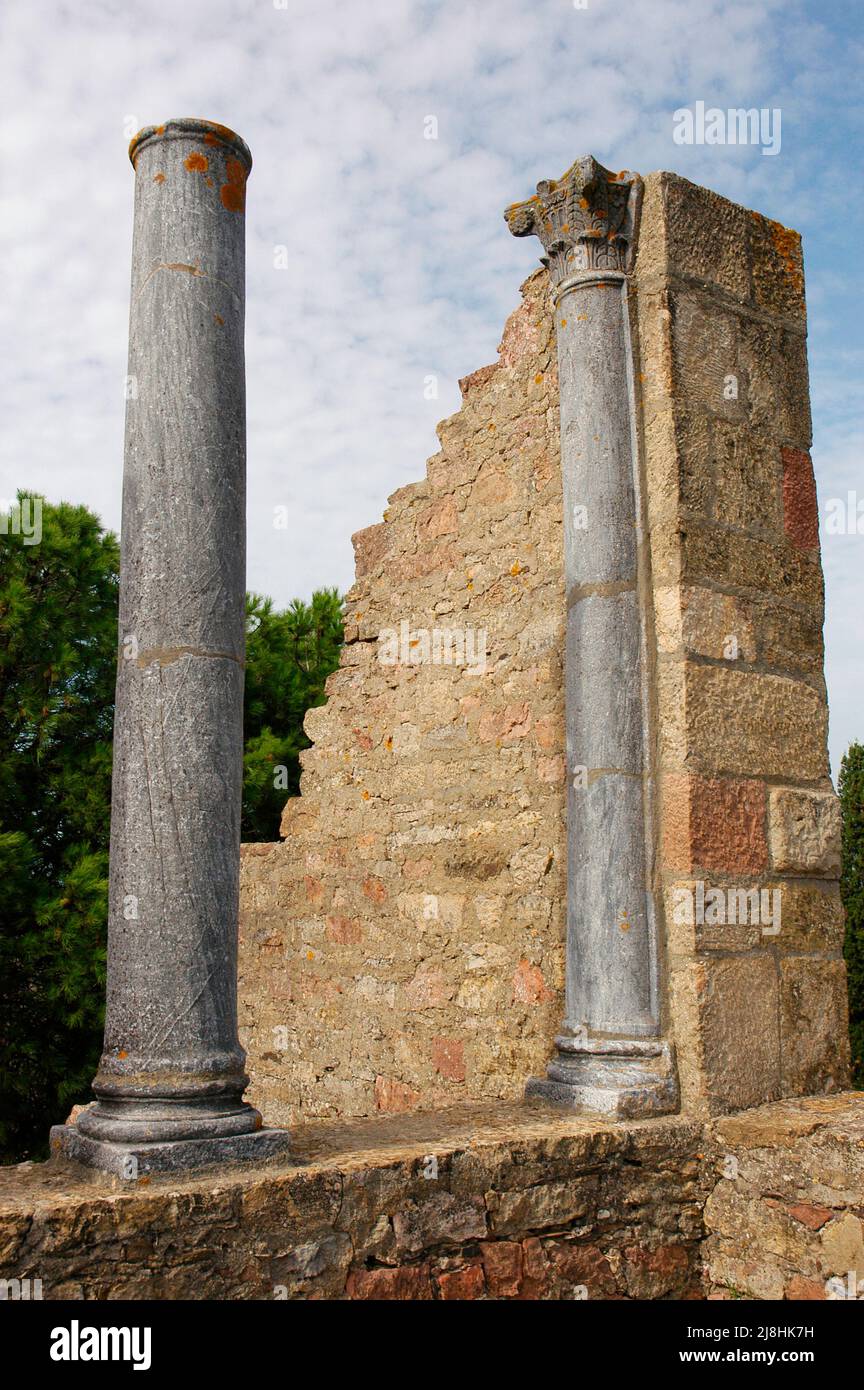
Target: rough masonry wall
x=746 y=798
x=786 y=1219
x=403 y=946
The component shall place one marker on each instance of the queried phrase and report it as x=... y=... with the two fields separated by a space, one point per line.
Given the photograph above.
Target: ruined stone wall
x=402 y=947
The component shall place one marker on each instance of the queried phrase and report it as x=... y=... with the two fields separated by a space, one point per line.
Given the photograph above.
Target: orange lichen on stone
x=233 y=193
x=159 y=178
x=219 y=134
x=196 y=163
x=787 y=245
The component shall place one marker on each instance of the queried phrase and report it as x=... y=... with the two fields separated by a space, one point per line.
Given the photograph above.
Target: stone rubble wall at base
x=504 y=1202
x=789 y=1218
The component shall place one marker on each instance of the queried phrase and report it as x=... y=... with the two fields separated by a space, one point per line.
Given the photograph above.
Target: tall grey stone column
x=610 y=1055
x=171 y=1079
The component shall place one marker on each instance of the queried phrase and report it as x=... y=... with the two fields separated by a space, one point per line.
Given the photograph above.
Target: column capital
x=586 y=220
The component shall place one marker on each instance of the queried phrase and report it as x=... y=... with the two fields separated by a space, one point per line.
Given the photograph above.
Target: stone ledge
x=499 y=1202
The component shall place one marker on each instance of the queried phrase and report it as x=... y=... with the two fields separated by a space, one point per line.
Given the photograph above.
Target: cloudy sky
x=400 y=265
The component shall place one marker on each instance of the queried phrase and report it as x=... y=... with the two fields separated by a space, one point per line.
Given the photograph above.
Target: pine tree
x=58 y=636
x=288 y=658
x=851 y=789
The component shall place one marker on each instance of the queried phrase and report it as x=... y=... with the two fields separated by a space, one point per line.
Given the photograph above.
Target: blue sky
x=399 y=262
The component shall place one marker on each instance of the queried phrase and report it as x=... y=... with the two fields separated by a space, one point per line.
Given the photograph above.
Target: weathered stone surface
x=813 y=918
x=740 y=1031
x=804 y=828
x=754 y=724
x=784 y=1220
x=714 y=824
x=704 y=235
x=502 y=1263
x=776 y=268
x=800 y=507
x=814 y=1025
x=539 y=1208
x=440 y=1220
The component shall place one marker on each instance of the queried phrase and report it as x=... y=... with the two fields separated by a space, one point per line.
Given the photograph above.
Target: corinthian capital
x=586 y=220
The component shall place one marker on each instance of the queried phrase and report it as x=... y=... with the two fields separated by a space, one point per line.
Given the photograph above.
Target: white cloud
x=400 y=261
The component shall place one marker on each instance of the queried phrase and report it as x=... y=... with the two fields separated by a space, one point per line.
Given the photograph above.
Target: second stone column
x=609 y=1056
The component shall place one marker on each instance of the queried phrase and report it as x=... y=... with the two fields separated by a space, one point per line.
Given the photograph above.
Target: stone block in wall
x=776 y=268
x=753 y=724
x=804 y=831
x=814 y=1025
x=707 y=553
x=704 y=235
x=738 y=1008
x=812 y=918
x=716 y=824
x=800 y=507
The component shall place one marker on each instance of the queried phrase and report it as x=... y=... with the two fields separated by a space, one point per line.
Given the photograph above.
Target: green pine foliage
x=851 y=790
x=288 y=658
x=58 y=635
x=58 y=652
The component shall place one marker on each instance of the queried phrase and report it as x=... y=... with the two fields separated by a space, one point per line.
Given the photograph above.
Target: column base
x=623 y=1078
x=132 y=1161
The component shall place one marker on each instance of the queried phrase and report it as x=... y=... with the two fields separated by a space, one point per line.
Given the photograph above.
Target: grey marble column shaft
x=170 y=1082
x=609 y=1055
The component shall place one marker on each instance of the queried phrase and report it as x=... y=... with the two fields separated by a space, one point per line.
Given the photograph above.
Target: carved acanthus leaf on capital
x=586 y=220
